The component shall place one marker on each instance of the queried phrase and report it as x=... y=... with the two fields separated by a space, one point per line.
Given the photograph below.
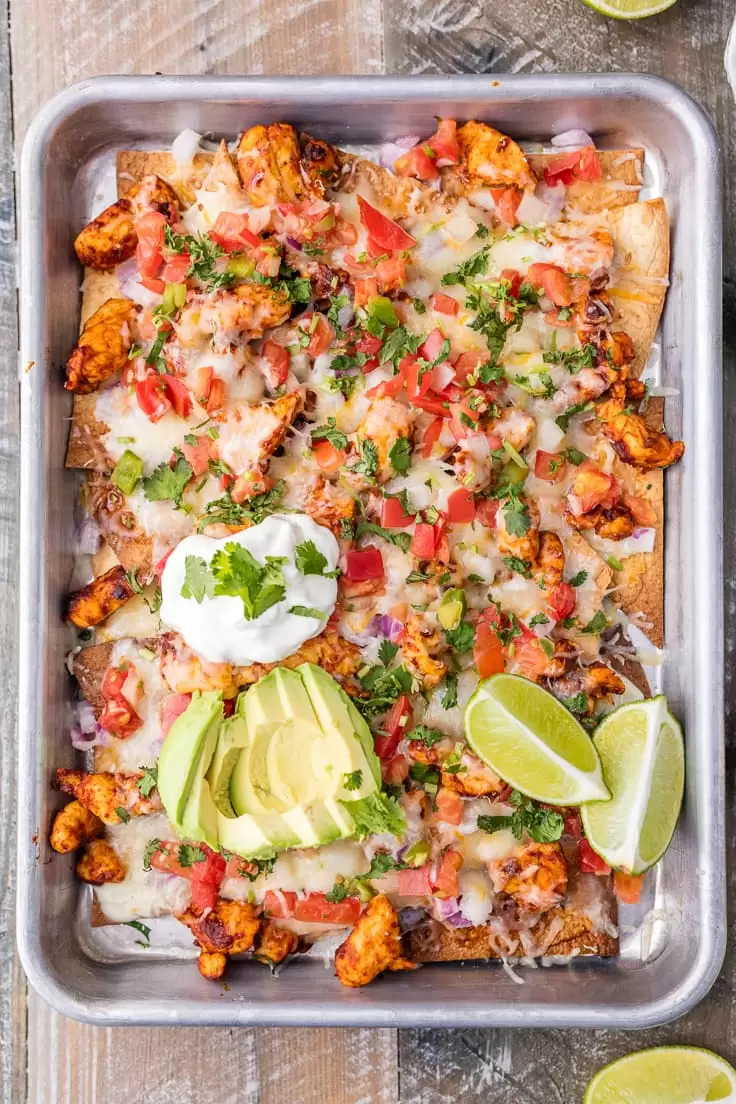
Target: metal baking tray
x=670 y=956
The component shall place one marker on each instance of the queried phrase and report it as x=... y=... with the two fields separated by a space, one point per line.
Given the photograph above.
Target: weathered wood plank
x=314 y=1066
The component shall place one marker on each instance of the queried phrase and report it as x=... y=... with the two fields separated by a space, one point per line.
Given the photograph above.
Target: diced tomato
x=365 y=289
x=149 y=251
x=279 y=360
x=176 y=268
x=395 y=770
x=627 y=887
x=549 y=466
x=580 y=164
x=206 y=879
x=416 y=881
x=363 y=563
x=313 y=907
x=162 y=563
x=431 y=434
x=589 y=861
x=393 y=515
x=178 y=395
x=485 y=511
x=203 y=383
x=444 y=143
x=552 y=318
x=152 y=397
x=561 y=601
x=343 y=233
x=216 y=397
x=112 y=682
x=591 y=488
x=460 y=507
x=174 y=705
x=426 y=539
x=449 y=806
x=430 y=347
x=166 y=859
x=417 y=162
x=397 y=723
x=391 y=387
x=514 y=278
x=463 y=420
x=530 y=657
x=322 y=335
x=444 y=304
x=329 y=458
x=146 y=326
x=445 y=882
x=391 y=272
x=487 y=651
x=368 y=344
x=573 y=827
x=418 y=382
x=553 y=281
x=228 y=707
x=432 y=404
x=386 y=233
x=151 y=283
x=507 y=202
x=466 y=364
x=232 y=233
x=200 y=454
x=120 y=718
x=642 y=511
x=238 y=867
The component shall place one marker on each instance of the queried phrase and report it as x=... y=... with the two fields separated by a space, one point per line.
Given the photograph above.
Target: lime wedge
x=640 y=746
x=664 y=1075
x=629 y=9
x=527 y=737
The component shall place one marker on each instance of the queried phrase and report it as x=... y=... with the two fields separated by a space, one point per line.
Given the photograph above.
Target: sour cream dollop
x=216 y=628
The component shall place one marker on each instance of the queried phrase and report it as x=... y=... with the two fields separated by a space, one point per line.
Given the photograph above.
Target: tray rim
x=134 y=89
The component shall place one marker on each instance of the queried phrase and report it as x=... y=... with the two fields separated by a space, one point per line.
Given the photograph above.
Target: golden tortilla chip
x=641 y=237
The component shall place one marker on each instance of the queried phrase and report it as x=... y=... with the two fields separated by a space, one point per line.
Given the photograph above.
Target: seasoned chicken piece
x=274 y=169
x=275 y=943
x=97 y=600
x=374 y=945
x=536 y=879
x=635 y=441
x=588 y=384
x=474 y=779
x=110 y=238
x=550 y=563
x=329 y=506
x=615 y=524
x=185 y=672
x=107 y=795
x=530 y=659
x=596 y=682
x=100 y=864
x=319 y=163
x=249 y=435
x=619 y=350
x=228 y=929
x=103 y=346
x=472 y=462
x=228 y=316
x=418 y=642
x=74 y=825
x=386 y=422
x=526 y=546
x=492 y=159
x=514 y=426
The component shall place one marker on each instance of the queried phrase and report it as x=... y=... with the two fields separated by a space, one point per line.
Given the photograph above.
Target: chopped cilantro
x=578 y=579
x=518 y=566
x=387 y=651
x=398 y=344
x=428 y=736
x=563 y=420
x=310 y=561
x=462 y=638
x=189 y=854
x=307 y=611
x=149 y=781
x=596 y=625
x=400 y=454
x=572 y=359
x=573 y=455
x=375 y=815
x=167 y=484
x=476 y=265
x=400 y=539
x=578 y=703
x=418 y=577
x=543 y=825
x=255 y=509
x=368 y=463
x=449 y=698
x=198 y=580
x=330 y=433
x=538 y=619
x=151 y=848
x=426 y=775
x=353 y=781
x=122 y=813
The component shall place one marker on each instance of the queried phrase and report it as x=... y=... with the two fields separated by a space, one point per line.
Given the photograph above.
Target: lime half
x=664 y=1075
x=641 y=749
x=528 y=737
x=630 y=9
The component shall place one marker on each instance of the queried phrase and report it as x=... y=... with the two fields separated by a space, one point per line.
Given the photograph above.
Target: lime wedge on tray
x=528 y=737
x=664 y=1075
x=641 y=749
x=630 y=9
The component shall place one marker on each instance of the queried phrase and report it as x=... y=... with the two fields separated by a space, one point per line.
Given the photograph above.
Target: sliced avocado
x=255 y=837
x=232 y=739
x=313 y=824
x=187 y=750
x=451 y=608
x=336 y=712
x=200 y=820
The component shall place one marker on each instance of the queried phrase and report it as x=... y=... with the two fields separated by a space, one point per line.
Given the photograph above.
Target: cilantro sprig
x=543 y=825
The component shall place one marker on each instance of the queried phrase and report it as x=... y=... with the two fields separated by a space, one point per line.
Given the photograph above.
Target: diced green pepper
x=127 y=472
x=514 y=473
x=515 y=456
x=417 y=854
x=241 y=267
x=180 y=294
x=381 y=308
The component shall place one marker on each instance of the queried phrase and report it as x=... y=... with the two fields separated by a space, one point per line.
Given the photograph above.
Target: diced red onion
x=553 y=197
x=83 y=741
x=345 y=315
x=132 y=288
x=448 y=911
x=410 y=918
x=88 y=537
x=390 y=152
x=572 y=139
x=294 y=243
x=383 y=624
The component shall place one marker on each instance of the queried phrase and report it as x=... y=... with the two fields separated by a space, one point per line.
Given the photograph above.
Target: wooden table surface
x=46 y=1059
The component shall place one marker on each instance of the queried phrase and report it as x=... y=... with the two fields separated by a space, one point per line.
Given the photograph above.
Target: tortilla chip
x=135 y=552
x=433 y=942
x=88 y=667
x=641 y=582
x=621 y=180
x=133 y=165
x=641 y=237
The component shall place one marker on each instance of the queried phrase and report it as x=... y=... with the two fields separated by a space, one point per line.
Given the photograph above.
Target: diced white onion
x=460 y=227
x=390 y=152
x=532 y=210
x=132 y=288
x=572 y=139
x=185 y=146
